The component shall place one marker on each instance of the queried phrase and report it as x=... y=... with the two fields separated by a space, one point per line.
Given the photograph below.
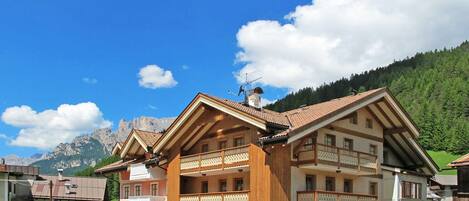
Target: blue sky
x=67 y=67
x=47 y=48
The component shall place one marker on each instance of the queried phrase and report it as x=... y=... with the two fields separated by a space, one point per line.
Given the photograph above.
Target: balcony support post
x=223 y=160
x=338 y=157
x=358 y=163
x=316 y=196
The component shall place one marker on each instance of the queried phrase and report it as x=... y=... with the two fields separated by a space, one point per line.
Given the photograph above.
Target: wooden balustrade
x=217 y=196
x=340 y=157
x=333 y=196
x=219 y=159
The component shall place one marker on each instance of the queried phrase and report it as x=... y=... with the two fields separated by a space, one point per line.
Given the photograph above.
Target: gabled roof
x=88 y=188
x=116 y=149
x=115 y=167
x=144 y=139
x=462 y=161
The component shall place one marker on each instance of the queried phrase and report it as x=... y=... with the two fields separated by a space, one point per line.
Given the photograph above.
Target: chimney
x=60 y=174
x=253 y=98
x=2 y=161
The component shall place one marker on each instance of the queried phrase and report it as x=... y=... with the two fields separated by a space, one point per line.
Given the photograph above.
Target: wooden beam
x=410 y=159
x=355 y=133
x=200 y=133
x=391 y=131
x=385 y=115
x=397 y=117
x=369 y=110
x=226 y=131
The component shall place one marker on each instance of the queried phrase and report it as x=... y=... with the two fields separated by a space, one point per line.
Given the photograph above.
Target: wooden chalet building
x=359 y=147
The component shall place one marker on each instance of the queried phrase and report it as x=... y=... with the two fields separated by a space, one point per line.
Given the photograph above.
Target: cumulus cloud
x=153 y=76
x=48 y=128
x=89 y=80
x=330 y=39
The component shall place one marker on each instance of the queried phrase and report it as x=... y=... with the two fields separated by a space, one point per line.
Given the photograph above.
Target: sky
x=68 y=67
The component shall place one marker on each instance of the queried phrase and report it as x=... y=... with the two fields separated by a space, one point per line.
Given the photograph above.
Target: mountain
x=432 y=86
x=88 y=150
x=13 y=159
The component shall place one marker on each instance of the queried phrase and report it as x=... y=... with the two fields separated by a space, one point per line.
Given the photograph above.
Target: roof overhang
x=117 y=147
x=401 y=118
x=133 y=140
x=193 y=111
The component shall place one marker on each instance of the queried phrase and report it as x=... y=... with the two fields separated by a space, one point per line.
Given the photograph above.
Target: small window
x=373 y=188
x=354 y=118
x=329 y=140
x=222 y=144
x=239 y=141
x=369 y=123
x=348 y=186
x=238 y=184
x=138 y=190
x=154 y=189
x=126 y=192
x=373 y=149
x=348 y=144
x=204 y=187
x=222 y=185
x=204 y=148
x=310 y=182
x=330 y=184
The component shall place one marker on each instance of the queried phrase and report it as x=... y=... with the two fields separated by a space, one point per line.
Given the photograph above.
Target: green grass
x=442 y=158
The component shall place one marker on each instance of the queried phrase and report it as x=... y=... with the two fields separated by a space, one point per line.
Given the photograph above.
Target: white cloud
x=152 y=107
x=5 y=137
x=153 y=76
x=89 y=80
x=265 y=101
x=331 y=39
x=48 y=128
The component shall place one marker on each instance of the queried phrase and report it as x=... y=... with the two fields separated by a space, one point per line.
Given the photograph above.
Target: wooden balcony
x=218 y=196
x=333 y=196
x=229 y=158
x=335 y=156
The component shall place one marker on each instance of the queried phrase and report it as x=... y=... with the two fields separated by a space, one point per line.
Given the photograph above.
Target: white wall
x=139 y=171
x=3 y=186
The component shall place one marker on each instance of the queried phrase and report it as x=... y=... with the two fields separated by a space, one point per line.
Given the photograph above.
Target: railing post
x=338 y=157
x=378 y=165
x=200 y=165
x=316 y=196
x=359 y=161
x=316 y=154
x=223 y=160
x=338 y=197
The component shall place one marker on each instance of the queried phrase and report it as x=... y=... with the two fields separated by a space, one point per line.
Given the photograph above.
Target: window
x=138 y=190
x=373 y=149
x=204 y=148
x=329 y=140
x=239 y=141
x=369 y=123
x=330 y=184
x=126 y=192
x=373 y=188
x=354 y=118
x=309 y=143
x=222 y=185
x=154 y=189
x=348 y=186
x=411 y=190
x=238 y=184
x=310 y=182
x=222 y=144
x=348 y=144
x=204 y=187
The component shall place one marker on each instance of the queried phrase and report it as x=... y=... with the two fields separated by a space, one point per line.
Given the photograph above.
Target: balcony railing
x=331 y=155
x=146 y=198
x=220 y=159
x=219 y=196
x=333 y=196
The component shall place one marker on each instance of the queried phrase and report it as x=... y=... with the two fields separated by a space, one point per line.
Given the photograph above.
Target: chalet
x=16 y=181
x=462 y=166
x=358 y=147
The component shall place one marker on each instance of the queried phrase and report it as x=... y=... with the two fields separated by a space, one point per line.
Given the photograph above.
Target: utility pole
x=50 y=190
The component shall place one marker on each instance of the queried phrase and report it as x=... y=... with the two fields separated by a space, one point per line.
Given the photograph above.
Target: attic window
x=369 y=123
x=354 y=118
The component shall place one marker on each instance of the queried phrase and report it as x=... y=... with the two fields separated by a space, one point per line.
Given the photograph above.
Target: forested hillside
x=433 y=87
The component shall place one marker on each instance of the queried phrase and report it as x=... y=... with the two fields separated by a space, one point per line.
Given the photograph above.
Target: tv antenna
x=246 y=86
